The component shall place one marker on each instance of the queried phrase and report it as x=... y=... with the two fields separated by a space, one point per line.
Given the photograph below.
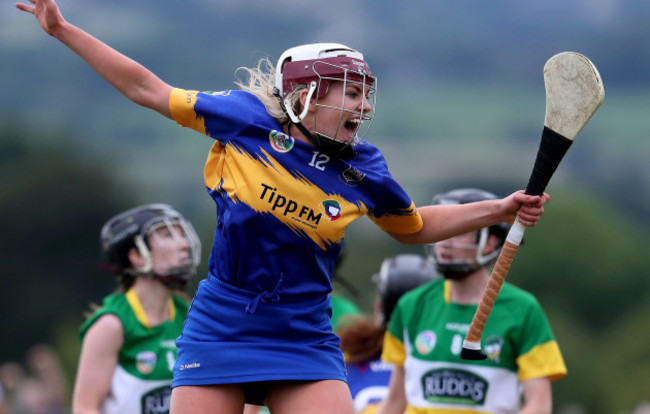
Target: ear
x=302 y=97
x=136 y=259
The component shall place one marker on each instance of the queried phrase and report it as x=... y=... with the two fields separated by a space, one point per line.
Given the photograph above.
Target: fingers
x=531 y=211
x=527 y=220
x=530 y=207
x=25 y=8
x=543 y=199
x=533 y=200
x=529 y=214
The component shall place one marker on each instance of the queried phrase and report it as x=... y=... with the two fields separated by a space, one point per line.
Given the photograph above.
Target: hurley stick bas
x=574 y=91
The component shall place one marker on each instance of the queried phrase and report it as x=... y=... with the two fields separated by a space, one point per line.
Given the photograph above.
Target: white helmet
x=316 y=65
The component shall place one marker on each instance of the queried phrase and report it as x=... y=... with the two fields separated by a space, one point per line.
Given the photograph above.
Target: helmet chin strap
x=286 y=105
x=144 y=252
x=147 y=270
x=323 y=143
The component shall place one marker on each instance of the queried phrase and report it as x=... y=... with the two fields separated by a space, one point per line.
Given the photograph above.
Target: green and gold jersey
x=141 y=381
x=425 y=336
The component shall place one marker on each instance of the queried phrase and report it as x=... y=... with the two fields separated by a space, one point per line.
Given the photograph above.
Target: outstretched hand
x=528 y=208
x=129 y=77
x=46 y=12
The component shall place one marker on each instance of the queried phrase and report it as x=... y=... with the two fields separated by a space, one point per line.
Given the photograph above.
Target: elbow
x=409 y=239
x=141 y=96
x=151 y=93
x=158 y=102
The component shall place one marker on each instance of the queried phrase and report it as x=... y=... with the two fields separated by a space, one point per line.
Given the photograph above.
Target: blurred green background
x=460 y=103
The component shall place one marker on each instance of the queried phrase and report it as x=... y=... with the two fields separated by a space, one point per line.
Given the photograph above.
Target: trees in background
x=53 y=201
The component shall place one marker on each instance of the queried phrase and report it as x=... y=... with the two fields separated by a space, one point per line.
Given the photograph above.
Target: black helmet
x=398 y=275
x=458 y=269
x=132 y=228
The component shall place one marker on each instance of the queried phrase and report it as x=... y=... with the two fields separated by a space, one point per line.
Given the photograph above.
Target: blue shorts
x=225 y=340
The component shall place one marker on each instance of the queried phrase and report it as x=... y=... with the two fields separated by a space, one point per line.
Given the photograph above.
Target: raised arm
x=127 y=76
x=441 y=222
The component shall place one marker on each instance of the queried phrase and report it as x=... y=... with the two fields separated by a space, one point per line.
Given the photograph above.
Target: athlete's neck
x=469 y=290
x=154 y=298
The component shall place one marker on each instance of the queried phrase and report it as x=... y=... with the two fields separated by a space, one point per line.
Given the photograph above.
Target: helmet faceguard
x=472 y=260
x=472 y=256
x=166 y=242
x=315 y=67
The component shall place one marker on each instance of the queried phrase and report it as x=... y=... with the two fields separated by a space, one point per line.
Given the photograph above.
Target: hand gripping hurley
x=574 y=92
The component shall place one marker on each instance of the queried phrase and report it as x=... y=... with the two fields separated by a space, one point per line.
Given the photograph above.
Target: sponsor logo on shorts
x=280 y=141
x=454 y=386
x=192 y=365
x=332 y=209
x=425 y=342
x=145 y=361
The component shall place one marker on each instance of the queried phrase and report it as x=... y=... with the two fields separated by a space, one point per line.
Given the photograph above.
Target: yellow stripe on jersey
x=270 y=188
x=241 y=168
x=179 y=101
x=408 y=222
x=139 y=311
x=393 y=351
x=140 y=314
x=447 y=291
x=544 y=360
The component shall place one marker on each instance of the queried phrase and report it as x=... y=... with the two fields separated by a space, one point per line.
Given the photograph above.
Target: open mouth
x=445 y=258
x=351 y=127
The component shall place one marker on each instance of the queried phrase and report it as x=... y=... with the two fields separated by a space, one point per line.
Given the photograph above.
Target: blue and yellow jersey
x=282 y=205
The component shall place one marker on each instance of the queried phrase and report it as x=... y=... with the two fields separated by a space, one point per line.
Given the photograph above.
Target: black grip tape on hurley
x=550 y=153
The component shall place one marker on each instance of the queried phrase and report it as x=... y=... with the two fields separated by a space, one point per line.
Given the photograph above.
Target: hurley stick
x=574 y=91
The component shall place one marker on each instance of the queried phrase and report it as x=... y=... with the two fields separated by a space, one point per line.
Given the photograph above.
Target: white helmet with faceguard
x=455 y=266
x=314 y=66
x=151 y=229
